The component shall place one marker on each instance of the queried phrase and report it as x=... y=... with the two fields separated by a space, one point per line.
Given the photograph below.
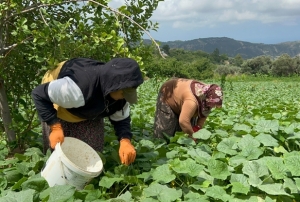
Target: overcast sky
x=256 y=21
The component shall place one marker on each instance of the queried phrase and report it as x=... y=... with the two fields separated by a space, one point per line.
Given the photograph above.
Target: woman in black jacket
x=74 y=98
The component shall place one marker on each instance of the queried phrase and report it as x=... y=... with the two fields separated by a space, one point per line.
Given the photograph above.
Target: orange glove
x=127 y=152
x=56 y=135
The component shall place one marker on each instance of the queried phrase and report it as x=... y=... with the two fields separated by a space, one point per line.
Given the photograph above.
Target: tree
x=224 y=70
x=238 y=60
x=257 y=65
x=166 y=49
x=36 y=35
x=215 y=55
x=285 y=66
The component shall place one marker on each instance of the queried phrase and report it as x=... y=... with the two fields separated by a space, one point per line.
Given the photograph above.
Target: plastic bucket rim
x=64 y=159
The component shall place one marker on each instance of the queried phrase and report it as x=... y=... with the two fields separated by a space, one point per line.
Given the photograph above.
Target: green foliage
x=166 y=49
x=217 y=58
x=187 y=56
x=196 y=68
x=286 y=66
x=248 y=151
x=227 y=70
x=238 y=60
x=36 y=37
x=257 y=65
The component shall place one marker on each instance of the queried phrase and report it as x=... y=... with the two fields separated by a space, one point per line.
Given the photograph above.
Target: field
x=248 y=151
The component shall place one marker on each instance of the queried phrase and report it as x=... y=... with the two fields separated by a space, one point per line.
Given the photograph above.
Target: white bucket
x=74 y=163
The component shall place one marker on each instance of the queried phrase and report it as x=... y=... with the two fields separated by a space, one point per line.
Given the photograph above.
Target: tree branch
x=34 y=7
x=131 y=20
x=43 y=17
x=10 y=48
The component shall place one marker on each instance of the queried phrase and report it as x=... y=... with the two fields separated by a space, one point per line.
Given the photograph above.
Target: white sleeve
x=65 y=93
x=121 y=114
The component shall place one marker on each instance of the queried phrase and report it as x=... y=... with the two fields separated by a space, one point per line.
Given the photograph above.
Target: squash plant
x=247 y=151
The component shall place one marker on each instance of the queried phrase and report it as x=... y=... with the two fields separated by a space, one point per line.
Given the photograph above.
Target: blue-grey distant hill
x=232 y=47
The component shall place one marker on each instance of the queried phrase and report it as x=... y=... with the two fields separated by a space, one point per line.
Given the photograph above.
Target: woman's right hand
x=196 y=128
x=56 y=135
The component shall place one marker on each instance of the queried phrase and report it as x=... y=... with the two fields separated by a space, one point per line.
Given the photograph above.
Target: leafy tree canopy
x=36 y=35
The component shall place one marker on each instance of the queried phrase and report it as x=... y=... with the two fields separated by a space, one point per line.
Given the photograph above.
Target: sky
x=255 y=21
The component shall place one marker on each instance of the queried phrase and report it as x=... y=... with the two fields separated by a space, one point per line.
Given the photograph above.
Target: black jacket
x=95 y=80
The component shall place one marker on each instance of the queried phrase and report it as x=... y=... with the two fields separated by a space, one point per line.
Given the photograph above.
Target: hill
x=233 y=47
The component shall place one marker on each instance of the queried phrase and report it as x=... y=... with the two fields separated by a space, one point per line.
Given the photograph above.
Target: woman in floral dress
x=183 y=105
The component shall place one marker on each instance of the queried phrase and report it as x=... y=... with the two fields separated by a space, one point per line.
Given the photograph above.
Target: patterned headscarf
x=214 y=96
x=208 y=96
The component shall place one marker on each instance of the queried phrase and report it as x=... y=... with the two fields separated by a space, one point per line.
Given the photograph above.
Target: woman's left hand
x=127 y=152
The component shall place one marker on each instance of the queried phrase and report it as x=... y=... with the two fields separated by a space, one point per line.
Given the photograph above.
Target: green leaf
x=248 y=141
x=273 y=189
x=239 y=178
x=254 y=181
x=23 y=168
x=147 y=143
x=172 y=154
x=276 y=166
x=267 y=126
x=268 y=199
x=237 y=160
x=297 y=180
x=3 y=182
x=109 y=181
x=187 y=166
x=227 y=146
x=202 y=134
x=162 y=192
x=206 y=176
x=199 y=155
x=217 y=192
x=150 y=155
x=60 y=193
x=36 y=183
x=185 y=141
x=93 y=195
x=221 y=133
x=201 y=184
x=219 y=155
x=18 y=184
x=294 y=136
x=280 y=149
x=267 y=140
x=192 y=196
x=251 y=153
x=242 y=127
x=33 y=151
x=163 y=174
x=227 y=122
x=292 y=162
x=291 y=185
x=24 y=196
x=126 y=196
x=254 y=168
x=218 y=169
x=238 y=187
x=298 y=116
x=12 y=175
x=276 y=115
